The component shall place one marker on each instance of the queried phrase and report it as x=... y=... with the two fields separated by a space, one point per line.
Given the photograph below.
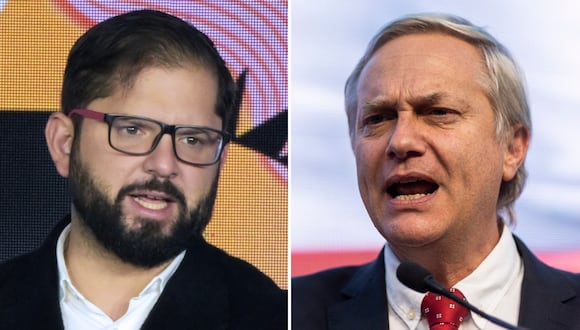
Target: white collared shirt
x=494 y=287
x=79 y=314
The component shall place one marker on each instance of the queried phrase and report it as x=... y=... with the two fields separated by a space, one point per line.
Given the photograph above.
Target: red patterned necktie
x=443 y=313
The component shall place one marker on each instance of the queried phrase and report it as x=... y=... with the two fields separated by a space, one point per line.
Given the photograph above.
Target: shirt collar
x=484 y=287
x=490 y=281
x=158 y=283
x=405 y=302
x=66 y=287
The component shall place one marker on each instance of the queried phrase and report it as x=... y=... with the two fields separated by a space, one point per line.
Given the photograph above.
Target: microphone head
x=414 y=276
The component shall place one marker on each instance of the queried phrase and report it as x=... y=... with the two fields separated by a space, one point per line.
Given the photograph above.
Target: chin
x=409 y=231
x=136 y=224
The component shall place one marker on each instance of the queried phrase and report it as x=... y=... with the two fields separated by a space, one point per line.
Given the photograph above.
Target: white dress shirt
x=79 y=314
x=494 y=287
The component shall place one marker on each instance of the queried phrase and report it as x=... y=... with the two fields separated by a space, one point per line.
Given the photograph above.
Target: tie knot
x=443 y=313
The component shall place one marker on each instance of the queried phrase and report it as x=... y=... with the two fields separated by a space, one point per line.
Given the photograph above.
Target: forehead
x=180 y=95
x=421 y=63
x=125 y=79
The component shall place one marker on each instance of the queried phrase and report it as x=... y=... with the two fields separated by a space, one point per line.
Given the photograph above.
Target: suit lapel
x=365 y=306
x=196 y=296
x=547 y=299
x=545 y=293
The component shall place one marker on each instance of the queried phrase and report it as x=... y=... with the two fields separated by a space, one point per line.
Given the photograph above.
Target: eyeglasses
x=138 y=136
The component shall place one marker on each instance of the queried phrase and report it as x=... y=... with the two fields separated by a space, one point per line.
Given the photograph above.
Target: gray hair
x=503 y=82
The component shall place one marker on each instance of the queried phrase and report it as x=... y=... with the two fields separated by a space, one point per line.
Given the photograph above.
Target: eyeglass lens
x=140 y=136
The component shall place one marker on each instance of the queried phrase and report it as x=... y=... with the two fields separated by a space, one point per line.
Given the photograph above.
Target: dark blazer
x=209 y=290
x=355 y=297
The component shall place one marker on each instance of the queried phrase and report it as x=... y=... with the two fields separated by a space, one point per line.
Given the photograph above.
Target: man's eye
x=441 y=116
x=133 y=127
x=374 y=119
x=191 y=140
x=440 y=111
x=198 y=140
x=131 y=130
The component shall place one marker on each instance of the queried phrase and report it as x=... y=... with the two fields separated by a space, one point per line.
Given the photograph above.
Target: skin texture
x=183 y=95
x=423 y=115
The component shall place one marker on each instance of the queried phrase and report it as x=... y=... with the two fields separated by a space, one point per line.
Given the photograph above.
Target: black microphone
x=421 y=280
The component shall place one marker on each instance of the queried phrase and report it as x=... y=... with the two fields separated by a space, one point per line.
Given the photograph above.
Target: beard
x=149 y=243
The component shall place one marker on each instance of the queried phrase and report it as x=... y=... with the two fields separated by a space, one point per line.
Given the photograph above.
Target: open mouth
x=411 y=189
x=152 y=201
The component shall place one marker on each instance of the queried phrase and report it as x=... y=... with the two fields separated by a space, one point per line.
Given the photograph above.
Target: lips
x=152 y=200
x=410 y=187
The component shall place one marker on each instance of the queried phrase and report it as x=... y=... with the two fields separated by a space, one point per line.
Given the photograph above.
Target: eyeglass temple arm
x=88 y=114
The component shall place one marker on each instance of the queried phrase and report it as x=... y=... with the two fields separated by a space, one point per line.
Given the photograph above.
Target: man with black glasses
x=145 y=101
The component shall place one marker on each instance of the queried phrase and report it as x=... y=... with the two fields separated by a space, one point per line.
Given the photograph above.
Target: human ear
x=517 y=148
x=59 y=134
x=224 y=155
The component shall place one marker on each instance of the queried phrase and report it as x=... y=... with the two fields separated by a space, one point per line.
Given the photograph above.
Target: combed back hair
x=112 y=53
x=502 y=81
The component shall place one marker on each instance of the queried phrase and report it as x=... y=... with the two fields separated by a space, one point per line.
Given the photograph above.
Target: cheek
x=369 y=160
x=477 y=168
x=369 y=157
x=198 y=182
x=108 y=164
x=362 y=162
x=115 y=171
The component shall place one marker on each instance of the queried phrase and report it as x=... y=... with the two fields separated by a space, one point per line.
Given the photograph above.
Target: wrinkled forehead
x=404 y=66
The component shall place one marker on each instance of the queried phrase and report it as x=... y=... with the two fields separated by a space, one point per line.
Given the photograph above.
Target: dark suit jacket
x=210 y=290
x=354 y=297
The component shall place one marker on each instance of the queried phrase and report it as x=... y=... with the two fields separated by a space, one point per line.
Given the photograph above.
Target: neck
x=452 y=260
x=100 y=276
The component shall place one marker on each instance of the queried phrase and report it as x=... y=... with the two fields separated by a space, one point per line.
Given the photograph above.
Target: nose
x=406 y=139
x=162 y=162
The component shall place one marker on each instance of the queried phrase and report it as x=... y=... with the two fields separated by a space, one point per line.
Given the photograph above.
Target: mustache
x=154 y=184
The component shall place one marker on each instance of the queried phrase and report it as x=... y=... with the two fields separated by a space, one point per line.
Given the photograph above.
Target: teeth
x=158 y=205
x=410 y=197
x=408 y=181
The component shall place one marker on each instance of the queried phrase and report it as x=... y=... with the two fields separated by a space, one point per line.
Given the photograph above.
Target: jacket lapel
x=196 y=296
x=365 y=306
x=546 y=295
x=549 y=299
